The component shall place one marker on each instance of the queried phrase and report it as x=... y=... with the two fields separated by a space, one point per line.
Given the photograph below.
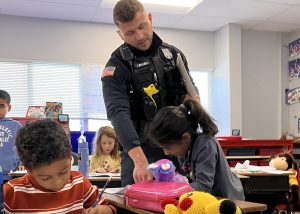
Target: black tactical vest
x=159 y=72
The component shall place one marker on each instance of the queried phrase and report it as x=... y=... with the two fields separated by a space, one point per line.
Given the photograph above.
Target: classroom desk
x=98 y=181
x=254 y=157
x=266 y=183
x=118 y=201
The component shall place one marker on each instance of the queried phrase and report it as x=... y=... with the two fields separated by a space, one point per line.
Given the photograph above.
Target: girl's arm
x=116 y=165
x=93 y=165
x=204 y=157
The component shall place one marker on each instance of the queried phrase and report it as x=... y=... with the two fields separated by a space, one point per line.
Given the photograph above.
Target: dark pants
x=152 y=153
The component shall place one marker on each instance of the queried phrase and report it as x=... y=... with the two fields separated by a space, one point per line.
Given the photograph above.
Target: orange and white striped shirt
x=25 y=195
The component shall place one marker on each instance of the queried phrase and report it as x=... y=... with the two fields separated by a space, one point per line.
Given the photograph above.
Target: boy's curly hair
x=41 y=143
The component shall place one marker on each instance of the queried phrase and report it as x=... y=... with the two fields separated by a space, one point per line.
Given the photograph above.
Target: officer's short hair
x=4 y=95
x=125 y=10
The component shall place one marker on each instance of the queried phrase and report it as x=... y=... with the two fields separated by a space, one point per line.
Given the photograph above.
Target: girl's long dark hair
x=171 y=122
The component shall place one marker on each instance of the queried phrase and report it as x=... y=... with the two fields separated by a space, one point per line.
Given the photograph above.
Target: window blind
x=56 y=83
x=35 y=83
x=14 y=80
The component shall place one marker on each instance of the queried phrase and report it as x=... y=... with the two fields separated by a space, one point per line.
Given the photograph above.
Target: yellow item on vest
x=150 y=91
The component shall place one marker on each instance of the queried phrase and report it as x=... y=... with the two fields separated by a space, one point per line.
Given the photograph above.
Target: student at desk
x=50 y=186
x=106 y=157
x=176 y=130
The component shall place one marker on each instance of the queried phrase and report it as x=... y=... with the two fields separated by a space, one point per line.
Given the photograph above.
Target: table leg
x=288 y=206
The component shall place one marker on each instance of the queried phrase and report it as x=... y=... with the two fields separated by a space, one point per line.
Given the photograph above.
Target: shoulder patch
x=108 y=71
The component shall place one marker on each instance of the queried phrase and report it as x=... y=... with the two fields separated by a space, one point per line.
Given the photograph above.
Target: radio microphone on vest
x=186 y=78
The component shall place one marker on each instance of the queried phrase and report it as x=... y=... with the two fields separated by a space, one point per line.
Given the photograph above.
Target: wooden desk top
x=96 y=178
x=258 y=173
x=116 y=178
x=254 y=157
x=118 y=201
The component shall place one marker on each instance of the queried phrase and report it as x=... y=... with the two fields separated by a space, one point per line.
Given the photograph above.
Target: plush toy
x=164 y=170
x=285 y=161
x=200 y=203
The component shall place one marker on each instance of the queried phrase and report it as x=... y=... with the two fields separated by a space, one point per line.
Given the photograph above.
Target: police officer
x=140 y=78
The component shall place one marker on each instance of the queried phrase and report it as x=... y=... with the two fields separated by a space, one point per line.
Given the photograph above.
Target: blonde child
x=106 y=157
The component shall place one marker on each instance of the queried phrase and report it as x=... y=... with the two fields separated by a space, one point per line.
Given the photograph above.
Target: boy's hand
x=100 y=209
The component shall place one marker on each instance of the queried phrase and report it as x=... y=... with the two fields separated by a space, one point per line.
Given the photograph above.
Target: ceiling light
x=165 y=6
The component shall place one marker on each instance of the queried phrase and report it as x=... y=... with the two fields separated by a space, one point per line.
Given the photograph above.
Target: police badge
x=167 y=53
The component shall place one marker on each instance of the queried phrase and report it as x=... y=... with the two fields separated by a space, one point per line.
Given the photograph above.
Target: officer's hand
x=141 y=173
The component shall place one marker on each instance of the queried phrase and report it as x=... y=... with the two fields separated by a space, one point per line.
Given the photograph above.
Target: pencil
x=102 y=191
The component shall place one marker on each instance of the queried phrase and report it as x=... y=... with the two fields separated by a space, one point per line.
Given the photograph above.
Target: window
x=35 y=83
x=77 y=86
x=204 y=82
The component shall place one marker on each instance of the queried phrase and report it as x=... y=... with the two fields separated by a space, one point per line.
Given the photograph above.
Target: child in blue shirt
x=187 y=132
x=8 y=129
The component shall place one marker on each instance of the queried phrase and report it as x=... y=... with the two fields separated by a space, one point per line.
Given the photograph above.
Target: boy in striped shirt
x=50 y=186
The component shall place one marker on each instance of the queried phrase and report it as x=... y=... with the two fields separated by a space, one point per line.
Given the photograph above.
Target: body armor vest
x=156 y=82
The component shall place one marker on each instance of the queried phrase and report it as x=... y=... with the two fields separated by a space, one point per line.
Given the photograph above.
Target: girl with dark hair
x=187 y=131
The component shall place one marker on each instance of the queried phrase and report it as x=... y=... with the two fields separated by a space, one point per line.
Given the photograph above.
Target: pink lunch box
x=148 y=195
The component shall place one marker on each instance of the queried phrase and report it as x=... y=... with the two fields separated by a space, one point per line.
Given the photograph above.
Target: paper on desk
x=108 y=174
x=19 y=171
x=116 y=191
x=246 y=167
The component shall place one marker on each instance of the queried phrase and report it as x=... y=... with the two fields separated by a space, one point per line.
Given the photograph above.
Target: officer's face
x=138 y=32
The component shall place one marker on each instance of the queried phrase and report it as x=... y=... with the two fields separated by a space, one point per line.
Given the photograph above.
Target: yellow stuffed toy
x=201 y=203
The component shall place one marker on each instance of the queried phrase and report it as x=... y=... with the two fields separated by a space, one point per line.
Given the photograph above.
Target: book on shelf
x=53 y=109
x=36 y=111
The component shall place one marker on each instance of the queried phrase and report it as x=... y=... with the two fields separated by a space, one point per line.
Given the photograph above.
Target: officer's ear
x=150 y=17
x=120 y=34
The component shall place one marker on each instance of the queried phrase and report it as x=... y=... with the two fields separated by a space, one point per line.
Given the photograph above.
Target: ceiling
x=210 y=15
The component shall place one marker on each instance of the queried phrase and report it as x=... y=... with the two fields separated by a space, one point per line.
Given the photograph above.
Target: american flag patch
x=108 y=71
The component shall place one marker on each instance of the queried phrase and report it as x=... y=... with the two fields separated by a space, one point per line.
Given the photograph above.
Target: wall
x=235 y=77
x=285 y=109
x=261 y=81
x=222 y=81
x=227 y=79
x=294 y=110
x=40 y=39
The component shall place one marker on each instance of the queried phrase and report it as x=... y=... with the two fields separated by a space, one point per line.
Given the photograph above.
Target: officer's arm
x=118 y=107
